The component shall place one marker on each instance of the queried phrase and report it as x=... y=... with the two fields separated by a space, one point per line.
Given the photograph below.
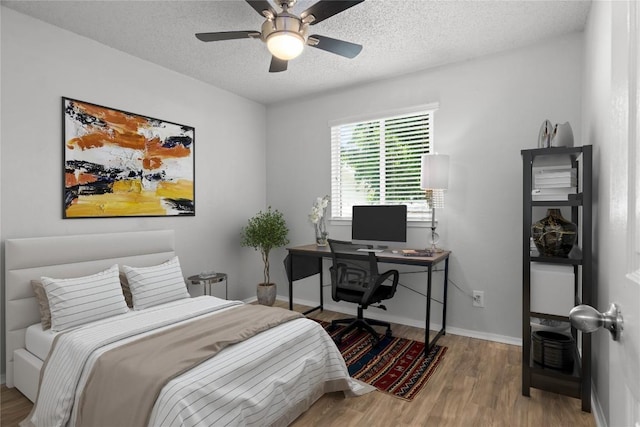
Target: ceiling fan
x=286 y=34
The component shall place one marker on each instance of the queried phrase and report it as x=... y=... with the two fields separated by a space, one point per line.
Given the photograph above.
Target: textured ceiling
x=399 y=37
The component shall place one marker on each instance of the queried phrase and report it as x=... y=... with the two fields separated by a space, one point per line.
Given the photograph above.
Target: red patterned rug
x=396 y=365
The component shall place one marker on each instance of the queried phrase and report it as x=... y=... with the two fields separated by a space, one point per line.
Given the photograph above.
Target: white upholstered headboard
x=63 y=257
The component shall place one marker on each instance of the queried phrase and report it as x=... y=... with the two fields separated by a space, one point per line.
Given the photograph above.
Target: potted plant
x=265 y=231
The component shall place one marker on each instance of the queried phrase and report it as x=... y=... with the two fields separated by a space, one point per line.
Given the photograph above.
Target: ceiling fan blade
x=260 y=5
x=278 y=65
x=339 y=47
x=327 y=8
x=226 y=35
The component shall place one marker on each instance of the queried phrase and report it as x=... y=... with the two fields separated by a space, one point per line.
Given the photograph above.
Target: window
x=377 y=161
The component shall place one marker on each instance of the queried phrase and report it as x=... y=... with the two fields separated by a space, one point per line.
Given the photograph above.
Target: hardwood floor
x=477 y=383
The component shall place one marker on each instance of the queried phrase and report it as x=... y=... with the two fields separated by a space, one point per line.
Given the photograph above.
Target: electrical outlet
x=478 y=299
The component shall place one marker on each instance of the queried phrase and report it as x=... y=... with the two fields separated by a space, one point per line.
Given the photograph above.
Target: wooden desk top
x=385 y=256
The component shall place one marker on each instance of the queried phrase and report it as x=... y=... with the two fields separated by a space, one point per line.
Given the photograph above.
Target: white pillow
x=81 y=300
x=156 y=285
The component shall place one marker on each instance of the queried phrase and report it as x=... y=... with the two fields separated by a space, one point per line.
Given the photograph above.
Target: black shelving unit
x=576 y=383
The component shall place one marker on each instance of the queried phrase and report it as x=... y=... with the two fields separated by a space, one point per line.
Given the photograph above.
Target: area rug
x=396 y=365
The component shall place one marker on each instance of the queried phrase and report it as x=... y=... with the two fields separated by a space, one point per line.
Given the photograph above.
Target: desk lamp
x=434 y=179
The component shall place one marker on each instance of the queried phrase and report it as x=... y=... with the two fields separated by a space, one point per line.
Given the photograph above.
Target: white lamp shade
x=435 y=172
x=285 y=45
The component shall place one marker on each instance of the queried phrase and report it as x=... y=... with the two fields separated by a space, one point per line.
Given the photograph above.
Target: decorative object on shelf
x=544 y=136
x=265 y=231
x=550 y=325
x=553 y=350
x=575 y=253
x=120 y=164
x=562 y=135
x=553 y=235
x=317 y=218
x=434 y=178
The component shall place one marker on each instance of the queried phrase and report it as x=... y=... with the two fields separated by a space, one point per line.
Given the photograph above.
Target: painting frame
x=121 y=164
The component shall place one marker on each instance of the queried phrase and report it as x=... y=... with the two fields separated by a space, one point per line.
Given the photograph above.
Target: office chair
x=355 y=278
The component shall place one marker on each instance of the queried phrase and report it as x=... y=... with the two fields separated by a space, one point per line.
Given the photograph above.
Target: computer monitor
x=379 y=223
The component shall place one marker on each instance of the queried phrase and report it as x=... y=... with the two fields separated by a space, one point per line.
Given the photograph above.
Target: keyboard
x=370 y=250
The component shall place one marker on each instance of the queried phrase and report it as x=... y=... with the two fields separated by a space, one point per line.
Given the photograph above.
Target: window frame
x=424 y=213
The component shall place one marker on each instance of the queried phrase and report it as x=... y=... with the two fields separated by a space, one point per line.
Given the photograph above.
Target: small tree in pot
x=265 y=231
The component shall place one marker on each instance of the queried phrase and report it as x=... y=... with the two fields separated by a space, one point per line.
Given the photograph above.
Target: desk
x=305 y=261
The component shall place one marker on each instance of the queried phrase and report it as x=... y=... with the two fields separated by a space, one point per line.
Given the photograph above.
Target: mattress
x=38 y=341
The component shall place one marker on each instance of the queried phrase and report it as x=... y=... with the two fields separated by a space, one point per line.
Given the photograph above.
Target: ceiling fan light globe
x=285 y=45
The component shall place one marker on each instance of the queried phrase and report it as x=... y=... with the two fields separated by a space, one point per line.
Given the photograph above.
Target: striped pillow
x=81 y=300
x=156 y=285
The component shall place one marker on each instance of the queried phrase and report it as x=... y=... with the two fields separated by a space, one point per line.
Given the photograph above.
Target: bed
x=268 y=379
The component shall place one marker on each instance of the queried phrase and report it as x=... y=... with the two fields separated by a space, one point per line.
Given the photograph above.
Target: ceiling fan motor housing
x=285 y=23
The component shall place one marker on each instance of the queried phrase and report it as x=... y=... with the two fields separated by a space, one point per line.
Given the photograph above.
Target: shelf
x=572 y=200
x=549 y=316
x=533 y=152
x=556 y=380
x=555 y=260
x=576 y=383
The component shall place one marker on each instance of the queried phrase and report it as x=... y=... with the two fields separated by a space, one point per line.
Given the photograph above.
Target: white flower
x=324 y=202
x=318 y=209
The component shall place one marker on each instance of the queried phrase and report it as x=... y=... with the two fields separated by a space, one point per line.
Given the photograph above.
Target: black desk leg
x=429 y=344
x=290 y=268
x=444 y=298
x=427 y=320
x=304 y=266
x=321 y=282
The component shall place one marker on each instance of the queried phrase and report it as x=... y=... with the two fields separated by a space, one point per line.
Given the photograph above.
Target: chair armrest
x=394 y=274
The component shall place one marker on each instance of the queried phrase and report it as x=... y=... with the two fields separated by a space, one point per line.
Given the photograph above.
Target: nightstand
x=207 y=281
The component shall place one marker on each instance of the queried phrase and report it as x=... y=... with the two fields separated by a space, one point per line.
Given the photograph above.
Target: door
x=621 y=278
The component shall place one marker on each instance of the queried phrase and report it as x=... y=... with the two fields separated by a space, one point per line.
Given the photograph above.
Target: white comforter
x=267 y=379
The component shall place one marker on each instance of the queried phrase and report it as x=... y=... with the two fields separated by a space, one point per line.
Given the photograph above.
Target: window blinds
x=378 y=162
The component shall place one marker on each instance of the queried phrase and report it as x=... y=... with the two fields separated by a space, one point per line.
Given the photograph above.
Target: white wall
x=41 y=63
x=490 y=109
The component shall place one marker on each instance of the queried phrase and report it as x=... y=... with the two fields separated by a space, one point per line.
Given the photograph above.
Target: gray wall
x=490 y=109
x=41 y=63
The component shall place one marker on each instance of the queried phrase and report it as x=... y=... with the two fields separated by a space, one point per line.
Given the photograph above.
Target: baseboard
x=596 y=408
x=381 y=315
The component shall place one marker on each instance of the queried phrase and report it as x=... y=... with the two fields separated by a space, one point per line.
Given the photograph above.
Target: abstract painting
x=119 y=164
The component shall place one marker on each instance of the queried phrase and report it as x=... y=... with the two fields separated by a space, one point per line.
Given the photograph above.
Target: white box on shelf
x=552 y=288
x=547 y=194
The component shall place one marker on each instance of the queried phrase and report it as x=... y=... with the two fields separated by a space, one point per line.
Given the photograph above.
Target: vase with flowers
x=317 y=218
